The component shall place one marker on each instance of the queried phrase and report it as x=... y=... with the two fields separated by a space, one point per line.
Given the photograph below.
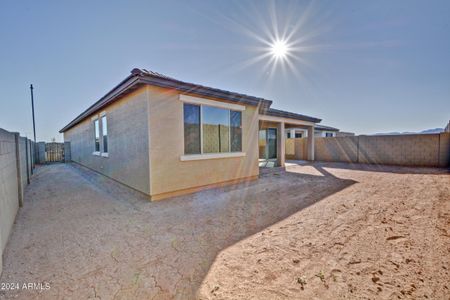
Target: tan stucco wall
x=168 y=173
x=343 y=149
x=128 y=139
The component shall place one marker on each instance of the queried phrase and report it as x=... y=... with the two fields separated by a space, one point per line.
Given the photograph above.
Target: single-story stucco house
x=165 y=137
x=319 y=131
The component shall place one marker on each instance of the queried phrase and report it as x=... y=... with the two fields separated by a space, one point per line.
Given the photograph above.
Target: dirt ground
x=323 y=231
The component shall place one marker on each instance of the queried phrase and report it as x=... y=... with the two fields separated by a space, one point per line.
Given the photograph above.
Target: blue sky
x=361 y=66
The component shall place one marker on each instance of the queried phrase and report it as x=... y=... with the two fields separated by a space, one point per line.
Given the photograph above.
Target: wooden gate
x=54 y=152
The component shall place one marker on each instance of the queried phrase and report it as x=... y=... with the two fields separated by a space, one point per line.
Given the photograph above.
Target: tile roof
x=140 y=77
x=287 y=114
x=323 y=127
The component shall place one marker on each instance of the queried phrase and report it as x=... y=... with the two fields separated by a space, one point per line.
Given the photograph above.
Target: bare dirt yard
x=314 y=231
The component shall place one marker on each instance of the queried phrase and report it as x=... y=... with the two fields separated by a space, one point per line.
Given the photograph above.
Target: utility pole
x=32 y=110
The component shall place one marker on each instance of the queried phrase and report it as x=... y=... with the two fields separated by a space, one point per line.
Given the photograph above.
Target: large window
x=97 y=136
x=209 y=129
x=105 y=134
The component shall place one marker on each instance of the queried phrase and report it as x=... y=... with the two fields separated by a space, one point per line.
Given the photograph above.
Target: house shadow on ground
x=191 y=230
x=206 y=223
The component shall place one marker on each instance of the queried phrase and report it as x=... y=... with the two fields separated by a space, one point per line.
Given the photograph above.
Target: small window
x=236 y=131
x=97 y=136
x=288 y=135
x=328 y=134
x=105 y=134
x=192 y=129
x=298 y=135
x=216 y=129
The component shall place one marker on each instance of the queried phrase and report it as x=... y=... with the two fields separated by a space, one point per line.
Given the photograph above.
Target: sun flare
x=279 y=49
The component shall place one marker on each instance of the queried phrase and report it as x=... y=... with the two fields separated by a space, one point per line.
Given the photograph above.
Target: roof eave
x=289 y=115
x=138 y=77
x=205 y=91
x=119 y=89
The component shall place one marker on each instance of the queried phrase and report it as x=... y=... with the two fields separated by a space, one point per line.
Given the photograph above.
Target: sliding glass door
x=268 y=143
x=271 y=143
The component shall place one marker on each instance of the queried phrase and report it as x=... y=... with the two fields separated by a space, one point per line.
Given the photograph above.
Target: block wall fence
x=422 y=150
x=16 y=167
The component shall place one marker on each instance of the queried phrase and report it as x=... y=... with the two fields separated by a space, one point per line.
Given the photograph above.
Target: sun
x=279 y=49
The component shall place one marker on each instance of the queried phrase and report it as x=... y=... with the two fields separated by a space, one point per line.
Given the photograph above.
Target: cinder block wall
x=16 y=165
x=404 y=150
x=444 y=149
x=9 y=197
x=24 y=175
x=427 y=150
x=343 y=149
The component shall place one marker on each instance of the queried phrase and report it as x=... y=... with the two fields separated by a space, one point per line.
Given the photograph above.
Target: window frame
x=228 y=111
x=103 y=152
x=186 y=99
x=96 y=123
x=200 y=129
x=240 y=126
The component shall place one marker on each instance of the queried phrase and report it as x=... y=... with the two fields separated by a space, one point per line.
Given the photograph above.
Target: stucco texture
x=170 y=174
x=128 y=160
x=146 y=142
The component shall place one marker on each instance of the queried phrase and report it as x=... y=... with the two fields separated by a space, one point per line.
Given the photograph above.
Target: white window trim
x=94 y=119
x=203 y=101
x=201 y=156
x=189 y=157
x=103 y=114
x=201 y=128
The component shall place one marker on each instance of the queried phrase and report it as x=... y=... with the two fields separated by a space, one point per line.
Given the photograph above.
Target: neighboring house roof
x=141 y=77
x=286 y=114
x=325 y=128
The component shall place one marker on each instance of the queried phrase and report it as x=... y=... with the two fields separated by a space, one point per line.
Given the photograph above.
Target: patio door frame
x=275 y=141
x=273 y=132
